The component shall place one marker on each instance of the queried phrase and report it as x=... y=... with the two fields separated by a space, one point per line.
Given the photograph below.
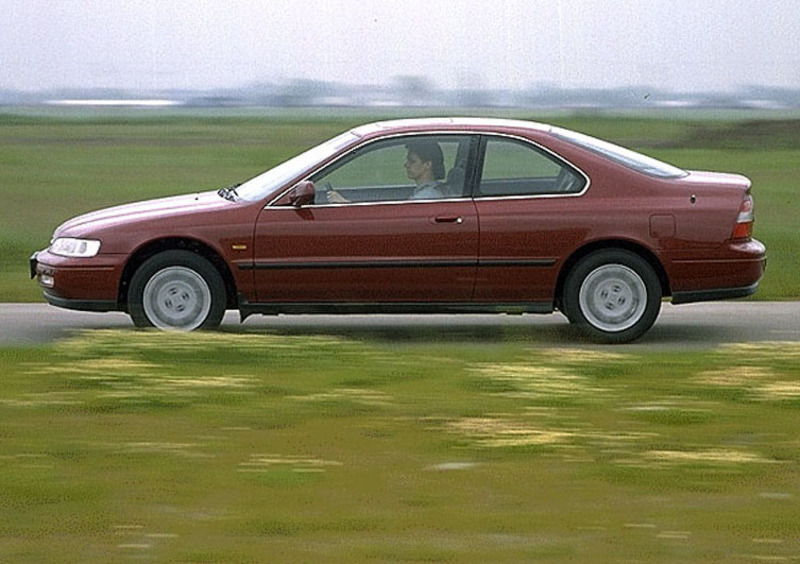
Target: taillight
x=744 y=221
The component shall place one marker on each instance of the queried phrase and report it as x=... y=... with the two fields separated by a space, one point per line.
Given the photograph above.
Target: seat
x=455 y=182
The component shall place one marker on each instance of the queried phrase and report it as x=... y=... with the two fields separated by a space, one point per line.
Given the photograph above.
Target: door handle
x=449 y=219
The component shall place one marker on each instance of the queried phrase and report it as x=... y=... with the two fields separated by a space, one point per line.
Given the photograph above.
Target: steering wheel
x=326 y=188
x=332 y=196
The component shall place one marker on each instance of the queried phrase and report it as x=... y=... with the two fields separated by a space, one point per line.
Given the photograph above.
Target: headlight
x=69 y=247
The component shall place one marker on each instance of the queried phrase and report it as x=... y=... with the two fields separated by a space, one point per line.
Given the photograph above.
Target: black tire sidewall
x=186 y=259
x=588 y=264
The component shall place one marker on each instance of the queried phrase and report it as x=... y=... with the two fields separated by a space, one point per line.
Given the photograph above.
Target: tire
x=177 y=290
x=612 y=296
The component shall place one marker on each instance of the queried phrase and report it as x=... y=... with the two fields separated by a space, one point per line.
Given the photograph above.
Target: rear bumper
x=711 y=295
x=732 y=273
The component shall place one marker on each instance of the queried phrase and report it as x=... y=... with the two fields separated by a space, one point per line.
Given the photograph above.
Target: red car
x=422 y=216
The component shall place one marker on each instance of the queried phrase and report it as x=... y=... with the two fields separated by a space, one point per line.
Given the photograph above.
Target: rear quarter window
x=515 y=168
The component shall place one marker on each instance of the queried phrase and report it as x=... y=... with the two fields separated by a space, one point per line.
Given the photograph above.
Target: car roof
x=447 y=124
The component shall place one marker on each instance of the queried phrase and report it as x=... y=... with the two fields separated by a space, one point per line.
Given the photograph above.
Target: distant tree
x=414 y=90
x=305 y=92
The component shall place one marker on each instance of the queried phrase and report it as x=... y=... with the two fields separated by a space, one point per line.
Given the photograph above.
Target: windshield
x=621 y=155
x=264 y=184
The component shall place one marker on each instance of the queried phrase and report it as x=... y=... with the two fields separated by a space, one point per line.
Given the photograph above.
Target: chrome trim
x=439 y=132
x=527 y=197
x=364 y=204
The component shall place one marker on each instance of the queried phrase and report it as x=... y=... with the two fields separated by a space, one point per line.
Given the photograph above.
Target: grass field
x=52 y=168
x=131 y=446
x=262 y=448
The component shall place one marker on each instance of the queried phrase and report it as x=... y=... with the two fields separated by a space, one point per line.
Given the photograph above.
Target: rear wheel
x=612 y=296
x=177 y=290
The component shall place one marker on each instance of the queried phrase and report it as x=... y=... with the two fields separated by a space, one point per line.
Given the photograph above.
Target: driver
x=424 y=165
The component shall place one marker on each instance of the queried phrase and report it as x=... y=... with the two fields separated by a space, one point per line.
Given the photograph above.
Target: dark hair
x=429 y=151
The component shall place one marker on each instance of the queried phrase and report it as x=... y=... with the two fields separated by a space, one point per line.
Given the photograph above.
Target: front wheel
x=177 y=290
x=612 y=296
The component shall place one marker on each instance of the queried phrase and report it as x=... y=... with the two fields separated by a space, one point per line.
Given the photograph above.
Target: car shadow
x=417 y=329
x=533 y=330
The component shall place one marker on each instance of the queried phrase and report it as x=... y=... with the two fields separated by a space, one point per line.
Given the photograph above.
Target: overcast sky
x=683 y=45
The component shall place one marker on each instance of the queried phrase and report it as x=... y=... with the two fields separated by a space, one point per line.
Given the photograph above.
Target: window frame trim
x=475 y=160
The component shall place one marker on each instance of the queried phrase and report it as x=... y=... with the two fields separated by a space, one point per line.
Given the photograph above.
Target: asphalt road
x=704 y=325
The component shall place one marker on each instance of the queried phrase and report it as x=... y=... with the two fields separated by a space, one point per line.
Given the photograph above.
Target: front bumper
x=76 y=283
x=80 y=305
x=34 y=262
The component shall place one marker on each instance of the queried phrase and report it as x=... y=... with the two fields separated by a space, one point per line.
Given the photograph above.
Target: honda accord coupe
x=451 y=215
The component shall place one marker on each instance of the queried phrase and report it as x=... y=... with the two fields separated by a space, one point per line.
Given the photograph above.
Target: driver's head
x=424 y=161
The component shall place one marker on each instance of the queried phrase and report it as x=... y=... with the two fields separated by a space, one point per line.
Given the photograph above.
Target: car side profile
x=454 y=215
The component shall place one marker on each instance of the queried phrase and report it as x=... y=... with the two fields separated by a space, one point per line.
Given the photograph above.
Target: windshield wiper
x=229 y=193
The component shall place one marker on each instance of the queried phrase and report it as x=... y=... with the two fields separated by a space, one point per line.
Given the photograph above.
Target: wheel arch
x=641 y=251
x=153 y=248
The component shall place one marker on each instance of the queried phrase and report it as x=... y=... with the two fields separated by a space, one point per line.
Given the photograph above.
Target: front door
x=374 y=234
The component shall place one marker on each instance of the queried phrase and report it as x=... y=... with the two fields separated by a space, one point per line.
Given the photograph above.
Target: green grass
x=256 y=447
x=53 y=168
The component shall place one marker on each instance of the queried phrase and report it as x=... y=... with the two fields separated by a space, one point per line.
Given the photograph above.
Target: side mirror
x=302 y=194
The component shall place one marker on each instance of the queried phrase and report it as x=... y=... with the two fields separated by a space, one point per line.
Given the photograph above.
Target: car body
x=531 y=219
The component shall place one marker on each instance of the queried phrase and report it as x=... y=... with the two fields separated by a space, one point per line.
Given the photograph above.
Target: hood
x=158 y=209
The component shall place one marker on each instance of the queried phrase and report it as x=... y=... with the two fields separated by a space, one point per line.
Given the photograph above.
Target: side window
x=419 y=167
x=515 y=168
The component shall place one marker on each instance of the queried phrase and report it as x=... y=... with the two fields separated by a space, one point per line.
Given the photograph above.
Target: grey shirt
x=431 y=190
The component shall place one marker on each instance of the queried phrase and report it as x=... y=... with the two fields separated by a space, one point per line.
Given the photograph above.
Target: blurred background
x=431 y=53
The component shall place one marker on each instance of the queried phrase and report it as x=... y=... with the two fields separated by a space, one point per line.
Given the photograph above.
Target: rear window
x=621 y=155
